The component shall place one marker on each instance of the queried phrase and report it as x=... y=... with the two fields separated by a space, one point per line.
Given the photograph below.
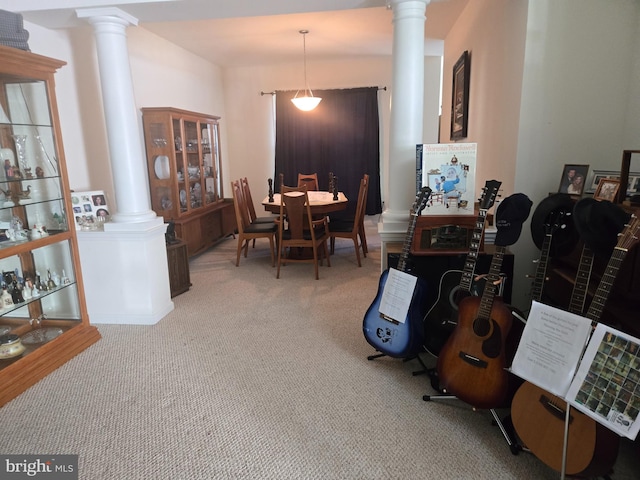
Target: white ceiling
x=253 y=32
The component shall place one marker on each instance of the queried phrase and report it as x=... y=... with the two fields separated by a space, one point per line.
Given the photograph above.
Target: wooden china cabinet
x=185 y=175
x=43 y=315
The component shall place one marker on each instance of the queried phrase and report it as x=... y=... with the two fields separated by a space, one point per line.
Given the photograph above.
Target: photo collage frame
x=90 y=209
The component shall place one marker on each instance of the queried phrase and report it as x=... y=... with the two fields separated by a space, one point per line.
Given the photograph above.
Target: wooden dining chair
x=308 y=179
x=302 y=232
x=246 y=192
x=353 y=229
x=247 y=230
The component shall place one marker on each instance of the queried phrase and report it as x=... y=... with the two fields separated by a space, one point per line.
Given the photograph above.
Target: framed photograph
x=460 y=97
x=573 y=180
x=607 y=189
x=597 y=175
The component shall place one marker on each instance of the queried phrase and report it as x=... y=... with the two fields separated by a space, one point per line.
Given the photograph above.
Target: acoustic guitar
x=455 y=285
x=539 y=417
x=386 y=335
x=471 y=365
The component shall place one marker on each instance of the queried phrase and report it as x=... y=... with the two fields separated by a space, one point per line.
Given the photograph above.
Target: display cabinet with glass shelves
x=185 y=175
x=43 y=315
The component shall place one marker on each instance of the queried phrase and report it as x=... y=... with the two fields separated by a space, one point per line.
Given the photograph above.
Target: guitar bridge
x=475 y=361
x=389 y=319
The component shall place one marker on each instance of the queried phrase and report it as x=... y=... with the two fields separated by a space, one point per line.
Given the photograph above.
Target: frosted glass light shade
x=306 y=103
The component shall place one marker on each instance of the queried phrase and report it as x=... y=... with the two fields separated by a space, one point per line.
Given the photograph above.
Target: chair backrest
x=294 y=201
x=242 y=214
x=361 y=206
x=246 y=194
x=308 y=179
x=361 y=209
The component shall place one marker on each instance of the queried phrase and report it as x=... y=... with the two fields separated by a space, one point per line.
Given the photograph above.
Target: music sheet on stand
x=607 y=384
x=397 y=295
x=550 y=348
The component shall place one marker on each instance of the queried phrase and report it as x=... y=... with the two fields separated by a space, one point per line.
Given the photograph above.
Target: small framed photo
x=460 y=97
x=90 y=209
x=597 y=175
x=607 y=189
x=573 y=180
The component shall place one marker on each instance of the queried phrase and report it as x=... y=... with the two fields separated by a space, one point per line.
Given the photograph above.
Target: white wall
x=552 y=83
x=577 y=100
x=493 y=31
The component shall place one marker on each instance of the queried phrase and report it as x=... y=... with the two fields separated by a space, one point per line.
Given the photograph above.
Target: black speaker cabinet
x=431 y=266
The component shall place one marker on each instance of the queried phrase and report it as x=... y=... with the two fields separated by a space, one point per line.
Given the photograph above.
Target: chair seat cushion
x=340 y=226
x=264 y=219
x=261 y=228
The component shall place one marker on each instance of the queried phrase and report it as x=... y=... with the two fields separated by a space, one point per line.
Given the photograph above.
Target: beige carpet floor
x=256 y=378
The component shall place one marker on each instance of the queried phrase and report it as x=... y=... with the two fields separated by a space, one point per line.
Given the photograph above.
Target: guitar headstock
x=489 y=194
x=556 y=220
x=629 y=236
x=421 y=200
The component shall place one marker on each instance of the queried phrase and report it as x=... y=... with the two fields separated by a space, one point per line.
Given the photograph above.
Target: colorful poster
x=449 y=169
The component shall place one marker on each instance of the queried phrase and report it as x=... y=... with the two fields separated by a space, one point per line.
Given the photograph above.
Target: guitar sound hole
x=481 y=327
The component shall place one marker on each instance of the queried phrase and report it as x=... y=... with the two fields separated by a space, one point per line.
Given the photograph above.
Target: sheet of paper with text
x=397 y=295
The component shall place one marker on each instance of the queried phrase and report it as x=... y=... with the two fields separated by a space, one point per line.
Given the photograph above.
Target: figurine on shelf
x=8 y=169
x=16 y=292
x=39 y=286
x=64 y=280
x=27 y=290
x=5 y=299
x=50 y=283
x=39 y=172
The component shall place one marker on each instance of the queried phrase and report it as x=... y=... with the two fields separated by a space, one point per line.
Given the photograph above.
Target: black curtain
x=341 y=135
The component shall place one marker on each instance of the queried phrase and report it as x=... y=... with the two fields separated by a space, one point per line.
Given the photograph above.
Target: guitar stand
x=405 y=359
x=507 y=434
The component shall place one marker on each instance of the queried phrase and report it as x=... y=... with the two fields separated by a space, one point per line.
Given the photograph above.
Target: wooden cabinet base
x=203 y=230
x=178 y=261
x=21 y=373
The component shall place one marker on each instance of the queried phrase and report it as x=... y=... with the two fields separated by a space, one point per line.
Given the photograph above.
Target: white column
x=126 y=149
x=125 y=266
x=406 y=123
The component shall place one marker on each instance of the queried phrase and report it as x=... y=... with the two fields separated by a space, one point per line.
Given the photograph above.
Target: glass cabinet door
x=38 y=288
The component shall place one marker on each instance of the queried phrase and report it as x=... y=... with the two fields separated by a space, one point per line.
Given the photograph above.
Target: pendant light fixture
x=307 y=101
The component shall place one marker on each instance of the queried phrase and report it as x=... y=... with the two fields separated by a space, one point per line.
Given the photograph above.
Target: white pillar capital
x=107 y=15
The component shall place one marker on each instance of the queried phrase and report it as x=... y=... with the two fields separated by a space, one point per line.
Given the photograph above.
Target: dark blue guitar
x=390 y=337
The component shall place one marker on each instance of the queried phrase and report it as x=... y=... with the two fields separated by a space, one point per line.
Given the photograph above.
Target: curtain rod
x=273 y=93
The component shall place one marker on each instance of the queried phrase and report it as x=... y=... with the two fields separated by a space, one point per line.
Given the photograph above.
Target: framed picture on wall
x=460 y=97
x=573 y=180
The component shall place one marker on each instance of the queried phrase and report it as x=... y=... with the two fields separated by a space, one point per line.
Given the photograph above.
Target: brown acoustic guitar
x=539 y=417
x=471 y=365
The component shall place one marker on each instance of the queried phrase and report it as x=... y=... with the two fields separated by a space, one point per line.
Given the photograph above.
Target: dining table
x=320 y=203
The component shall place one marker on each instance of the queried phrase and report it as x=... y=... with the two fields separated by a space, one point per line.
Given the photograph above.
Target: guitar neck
x=541 y=270
x=466 y=279
x=492 y=283
x=402 y=263
x=606 y=283
x=581 y=285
